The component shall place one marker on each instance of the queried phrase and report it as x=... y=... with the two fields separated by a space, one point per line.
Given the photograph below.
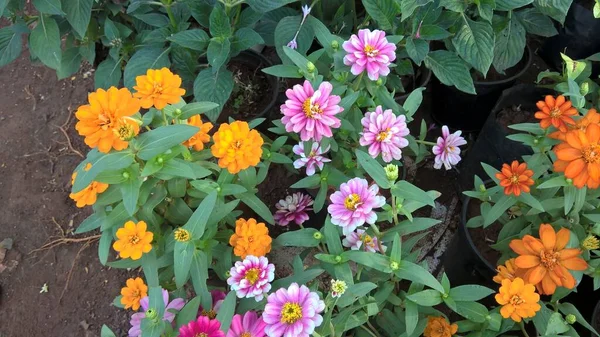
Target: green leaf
x=243 y=39
x=505 y=202
x=470 y=293
x=568 y=308
x=52 y=7
x=354 y=292
x=383 y=12
x=535 y=22
x=556 y=325
x=300 y=238
x=69 y=64
x=231 y=189
x=368 y=259
x=104 y=246
x=409 y=227
x=508 y=5
x=195 y=39
x=225 y=314
x=417 y=49
x=154 y=19
x=263 y=6
x=199 y=274
x=406 y=190
x=218 y=52
x=510 y=45
x=142 y=60
x=78 y=13
x=183 y=255
x=159 y=140
x=396 y=254
x=196 y=108
x=409 y=6
x=214 y=88
x=450 y=70
x=556 y=9
x=458 y=6
x=414 y=272
x=130 y=190
x=110 y=30
x=300 y=278
x=90 y=223
x=474 y=42
x=197 y=223
x=332 y=237
x=286 y=30
x=100 y=163
x=320 y=198
x=433 y=32
x=219 y=23
x=426 y=298
x=531 y=201
x=108 y=74
x=257 y=206
x=283 y=71
x=486 y=9
x=106 y=332
x=373 y=168
x=189 y=312
x=10 y=43
x=299 y=60
x=473 y=311
x=44 y=42
x=413 y=101
x=308 y=182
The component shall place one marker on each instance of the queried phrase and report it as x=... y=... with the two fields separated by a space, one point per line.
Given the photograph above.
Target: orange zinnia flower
x=508 y=271
x=199 y=139
x=515 y=178
x=158 y=87
x=250 y=238
x=88 y=195
x=133 y=240
x=105 y=122
x=133 y=292
x=579 y=157
x=439 y=327
x=546 y=260
x=555 y=112
x=236 y=146
x=518 y=300
x=591 y=117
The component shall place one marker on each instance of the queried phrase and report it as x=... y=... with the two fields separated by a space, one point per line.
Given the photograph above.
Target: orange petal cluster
x=439 y=327
x=579 y=156
x=88 y=195
x=591 y=117
x=518 y=299
x=250 y=238
x=515 y=178
x=133 y=292
x=158 y=88
x=555 y=111
x=133 y=240
x=236 y=146
x=198 y=140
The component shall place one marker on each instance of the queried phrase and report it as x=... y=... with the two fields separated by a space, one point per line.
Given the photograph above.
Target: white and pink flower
x=293 y=209
x=252 y=277
x=384 y=134
x=369 y=51
x=313 y=160
x=447 y=149
x=360 y=240
x=248 y=325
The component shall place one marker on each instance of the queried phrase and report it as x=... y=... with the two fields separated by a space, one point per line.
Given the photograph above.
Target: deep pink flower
x=311 y=113
x=293 y=312
x=369 y=51
x=169 y=316
x=203 y=327
x=249 y=325
x=358 y=239
x=293 y=208
x=353 y=204
x=252 y=277
x=384 y=133
x=314 y=159
x=446 y=151
x=217 y=299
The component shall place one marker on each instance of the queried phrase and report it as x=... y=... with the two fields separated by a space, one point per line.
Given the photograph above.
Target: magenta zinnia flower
x=136 y=319
x=369 y=50
x=384 y=133
x=293 y=312
x=446 y=151
x=249 y=325
x=358 y=239
x=311 y=113
x=252 y=277
x=314 y=159
x=218 y=296
x=203 y=327
x=353 y=204
x=293 y=208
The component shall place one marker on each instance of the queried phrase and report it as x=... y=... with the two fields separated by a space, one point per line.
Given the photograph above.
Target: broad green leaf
x=450 y=70
x=300 y=278
x=142 y=60
x=197 y=223
x=409 y=6
x=106 y=332
x=154 y=19
x=412 y=103
x=373 y=168
x=556 y=325
x=196 y=108
x=52 y=7
x=257 y=206
x=69 y=63
x=383 y=12
x=199 y=275
x=130 y=190
x=283 y=71
x=189 y=312
x=474 y=42
x=159 y=140
x=214 y=88
x=78 y=13
x=510 y=45
x=219 y=23
x=531 y=201
x=320 y=198
x=458 y=6
x=568 y=308
x=486 y=9
x=299 y=60
x=300 y=238
x=90 y=223
x=426 y=298
x=332 y=237
x=217 y=53
x=470 y=292
x=111 y=32
x=100 y=163
x=368 y=259
x=354 y=292
x=243 y=39
x=508 y=5
x=264 y=6
x=225 y=314
x=535 y=22
x=409 y=227
x=406 y=190
x=286 y=30
x=556 y=9
x=473 y=311
x=10 y=43
x=433 y=32
x=396 y=253
x=413 y=272
x=504 y=203
x=195 y=39
x=183 y=255
x=44 y=42
x=417 y=49
x=108 y=74
x=104 y=246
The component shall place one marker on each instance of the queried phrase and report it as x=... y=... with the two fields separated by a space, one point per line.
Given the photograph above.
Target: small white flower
x=305 y=11
x=338 y=288
x=44 y=288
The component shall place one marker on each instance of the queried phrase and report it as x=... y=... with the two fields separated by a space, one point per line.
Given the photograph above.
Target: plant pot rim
x=528 y=53
x=465 y=229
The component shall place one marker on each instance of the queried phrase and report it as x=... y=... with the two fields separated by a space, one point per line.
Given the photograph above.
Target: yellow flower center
x=555 y=113
x=158 y=88
x=245 y=334
x=549 y=259
x=136 y=294
x=210 y=314
x=591 y=154
x=352 y=202
x=371 y=51
x=125 y=132
x=514 y=179
x=252 y=275
x=105 y=121
x=368 y=240
x=291 y=313
x=516 y=300
x=236 y=145
x=181 y=235
x=134 y=239
x=310 y=110
x=383 y=135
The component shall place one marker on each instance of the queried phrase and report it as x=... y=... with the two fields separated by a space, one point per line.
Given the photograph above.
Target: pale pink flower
x=353 y=204
x=447 y=150
x=369 y=51
x=384 y=133
x=252 y=277
x=311 y=113
x=314 y=159
x=305 y=11
x=248 y=325
x=293 y=208
x=293 y=44
x=359 y=239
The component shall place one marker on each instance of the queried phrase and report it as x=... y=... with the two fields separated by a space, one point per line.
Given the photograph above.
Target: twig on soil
x=28 y=92
x=69 y=144
x=62 y=240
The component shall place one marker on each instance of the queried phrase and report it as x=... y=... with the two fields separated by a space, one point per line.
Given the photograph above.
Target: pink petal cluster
x=314 y=159
x=249 y=325
x=293 y=312
x=447 y=150
x=293 y=208
x=252 y=277
x=203 y=326
x=169 y=316
x=353 y=204
x=311 y=113
x=384 y=133
x=359 y=238
x=369 y=51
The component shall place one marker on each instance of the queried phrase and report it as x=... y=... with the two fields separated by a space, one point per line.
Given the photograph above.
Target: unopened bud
x=160 y=160
x=379 y=82
x=569 y=181
x=151 y=314
x=394 y=265
x=335 y=45
x=318 y=236
x=125 y=175
x=338 y=259
x=585 y=88
x=310 y=67
x=482 y=188
x=391 y=172
x=177 y=112
x=571 y=319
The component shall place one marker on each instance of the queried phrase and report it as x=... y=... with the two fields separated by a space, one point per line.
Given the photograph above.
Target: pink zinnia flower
x=249 y=325
x=293 y=208
x=314 y=159
x=293 y=312
x=311 y=113
x=369 y=50
x=252 y=277
x=203 y=326
x=446 y=151
x=358 y=239
x=384 y=133
x=353 y=204
x=136 y=319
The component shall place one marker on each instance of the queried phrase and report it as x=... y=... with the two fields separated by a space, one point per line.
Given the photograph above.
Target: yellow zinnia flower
x=237 y=147
x=518 y=300
x=133 y=292
x=158 y=87
x=133 y=240
x=198 y=140
x=250 y=238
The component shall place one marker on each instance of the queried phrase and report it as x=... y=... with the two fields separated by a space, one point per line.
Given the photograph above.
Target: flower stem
x=368 y=331
x=357 y=82
x=171 y=16
x=372 y=328
x=522 y=325
x=394 y=210
x=424 y=142
x=164 y=115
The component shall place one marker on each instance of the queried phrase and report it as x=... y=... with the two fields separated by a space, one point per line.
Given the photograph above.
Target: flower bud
x=310 y=67
x=391 y=172
x=160 y=160
x=177 y=112
x=571 y=319
x=227 y=274
x=335 y=45
x=125 y=175
x=584 y=89
x=394 y=265
x=482 y=188
x=379 y=82
x=338 y=259
x=569 y=181
x=488 y=317
x=182 y=235
x=151 y=314
x=318 y=236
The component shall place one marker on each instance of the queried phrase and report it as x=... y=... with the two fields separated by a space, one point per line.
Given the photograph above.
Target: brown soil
x=484 y=237
x=252 y=93
x=514 y=115
x=35 y=173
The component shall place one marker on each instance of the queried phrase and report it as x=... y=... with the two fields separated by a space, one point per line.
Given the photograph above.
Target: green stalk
x=171 y=16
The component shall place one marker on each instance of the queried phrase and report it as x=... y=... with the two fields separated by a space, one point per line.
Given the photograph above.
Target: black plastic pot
x=595 y=319
x=463 y=263
x=422 y=78
x=578 y=38
x=461 y=111
x=492 y=147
